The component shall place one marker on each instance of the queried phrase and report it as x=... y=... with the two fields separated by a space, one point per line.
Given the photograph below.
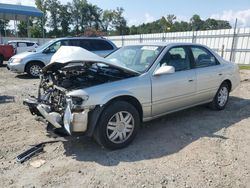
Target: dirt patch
x=197 y=147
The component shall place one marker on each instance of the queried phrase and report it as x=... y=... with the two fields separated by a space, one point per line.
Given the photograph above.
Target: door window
x=178 y=58
x=202 y=57
x=22 y=44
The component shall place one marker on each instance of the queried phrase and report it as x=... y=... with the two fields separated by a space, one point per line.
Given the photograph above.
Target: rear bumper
x=70 y=121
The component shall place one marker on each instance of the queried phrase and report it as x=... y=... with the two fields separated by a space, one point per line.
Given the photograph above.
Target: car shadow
x=6 y=99
x=25 y=76
x=3 y=65
x=164 y=136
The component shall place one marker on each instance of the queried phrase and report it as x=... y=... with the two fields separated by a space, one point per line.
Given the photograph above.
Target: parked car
x=6 y=52
x=108 y=98
x=23 y=45
x=32 y=62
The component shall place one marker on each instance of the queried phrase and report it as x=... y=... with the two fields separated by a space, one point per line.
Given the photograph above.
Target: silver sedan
x=108 y=98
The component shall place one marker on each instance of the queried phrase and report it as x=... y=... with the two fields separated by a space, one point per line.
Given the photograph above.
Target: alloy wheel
x=120 y=127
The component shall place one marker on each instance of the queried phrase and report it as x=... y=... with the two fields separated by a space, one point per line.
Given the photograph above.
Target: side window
x=30 y=44
x=85 y=44
x=100 y=45
x=178 y=58
x=202 y=57
x=54 y=47
x=22 y=44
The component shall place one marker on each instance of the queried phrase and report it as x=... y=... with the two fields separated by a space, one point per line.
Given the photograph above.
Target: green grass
x=244 y=67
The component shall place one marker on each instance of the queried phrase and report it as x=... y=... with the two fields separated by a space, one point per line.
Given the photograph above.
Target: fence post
x=194 y=37
x=222 y=50
x=163 y=37
x=234 y=42
x=122 y=41
x=140 y=38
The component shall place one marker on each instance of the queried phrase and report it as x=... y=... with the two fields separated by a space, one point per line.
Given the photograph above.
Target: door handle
x=190 y=80
x=220 y=74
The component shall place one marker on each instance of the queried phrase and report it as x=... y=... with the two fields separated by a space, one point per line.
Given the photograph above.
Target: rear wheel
x=33 y=69
x=117 y=126
x=221 y=98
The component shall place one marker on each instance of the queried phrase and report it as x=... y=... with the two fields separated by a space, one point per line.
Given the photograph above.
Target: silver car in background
x=32 y=62
x=108 y=98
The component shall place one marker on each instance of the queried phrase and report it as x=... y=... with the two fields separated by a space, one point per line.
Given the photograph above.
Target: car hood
x=72 y=54
x=23 y=55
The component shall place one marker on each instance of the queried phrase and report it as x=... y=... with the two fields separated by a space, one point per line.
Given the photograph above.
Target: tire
x=117 y=126
x=33 y=69
x=221 y=98
x=1 y=60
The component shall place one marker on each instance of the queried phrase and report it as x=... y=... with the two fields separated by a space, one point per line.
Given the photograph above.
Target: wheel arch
x=130 y=99
x=33 y=61
x=95 y=115
x=229 y=83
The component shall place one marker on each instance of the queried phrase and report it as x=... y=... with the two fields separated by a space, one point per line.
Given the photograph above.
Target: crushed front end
x=73 y=69
x=56 y=108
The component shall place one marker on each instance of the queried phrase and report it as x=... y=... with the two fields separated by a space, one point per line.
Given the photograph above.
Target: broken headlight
x=77 y=101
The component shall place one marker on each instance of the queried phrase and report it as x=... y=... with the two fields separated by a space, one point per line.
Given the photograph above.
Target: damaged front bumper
x=72 y=122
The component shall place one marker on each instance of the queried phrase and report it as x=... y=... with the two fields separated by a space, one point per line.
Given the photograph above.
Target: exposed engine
x=56 y=81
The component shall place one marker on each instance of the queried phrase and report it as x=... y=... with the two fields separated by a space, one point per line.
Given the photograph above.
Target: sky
x=139 y=11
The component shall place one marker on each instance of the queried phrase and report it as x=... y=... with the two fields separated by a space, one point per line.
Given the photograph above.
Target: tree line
x=81 y=18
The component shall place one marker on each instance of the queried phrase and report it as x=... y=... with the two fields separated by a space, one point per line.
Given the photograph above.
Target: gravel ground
x=197 y=147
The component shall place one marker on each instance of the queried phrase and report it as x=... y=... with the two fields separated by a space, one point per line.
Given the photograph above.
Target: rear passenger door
x=209 y=72
x=21 y=47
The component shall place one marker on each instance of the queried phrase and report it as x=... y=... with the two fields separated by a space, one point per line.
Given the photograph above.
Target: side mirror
x=164 y=70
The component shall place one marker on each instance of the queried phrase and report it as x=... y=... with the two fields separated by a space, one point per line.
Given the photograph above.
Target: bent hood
x=72 y=54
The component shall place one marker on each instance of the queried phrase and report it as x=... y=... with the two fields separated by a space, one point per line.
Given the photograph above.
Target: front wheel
x=33 y=69
x=221 y=98
x=117 y=126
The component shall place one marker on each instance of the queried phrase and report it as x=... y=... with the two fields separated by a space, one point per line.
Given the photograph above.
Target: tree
x=40 y=22
x=196 y=23
x=3 y=26
x=106 y=20
x=65 y=18
x=22 y=28
x=53 y=6
x=120 y=22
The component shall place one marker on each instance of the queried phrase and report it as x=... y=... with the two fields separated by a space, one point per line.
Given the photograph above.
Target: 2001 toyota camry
x=108 y=98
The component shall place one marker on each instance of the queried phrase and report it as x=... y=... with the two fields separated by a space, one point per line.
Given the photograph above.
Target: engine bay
x=56 y=81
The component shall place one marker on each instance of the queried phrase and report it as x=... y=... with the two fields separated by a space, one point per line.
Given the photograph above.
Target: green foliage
x=169 y=24
x=3 y=26
x=80 y=17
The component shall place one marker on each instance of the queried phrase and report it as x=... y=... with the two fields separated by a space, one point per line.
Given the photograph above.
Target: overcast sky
x=138 y=11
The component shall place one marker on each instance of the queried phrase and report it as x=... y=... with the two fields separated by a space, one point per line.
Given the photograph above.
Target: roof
x=18 y=12
x=22 y=41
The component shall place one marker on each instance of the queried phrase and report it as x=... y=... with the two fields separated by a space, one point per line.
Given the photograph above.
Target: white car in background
x=23 y=45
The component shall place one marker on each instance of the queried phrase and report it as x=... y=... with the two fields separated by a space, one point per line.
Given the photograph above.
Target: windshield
x=137 y=58
x=42 y=47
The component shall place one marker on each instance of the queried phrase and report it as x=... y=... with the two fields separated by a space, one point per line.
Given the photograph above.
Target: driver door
x=174 y=91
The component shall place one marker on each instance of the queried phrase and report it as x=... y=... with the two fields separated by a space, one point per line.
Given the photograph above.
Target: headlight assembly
x=16 y=60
